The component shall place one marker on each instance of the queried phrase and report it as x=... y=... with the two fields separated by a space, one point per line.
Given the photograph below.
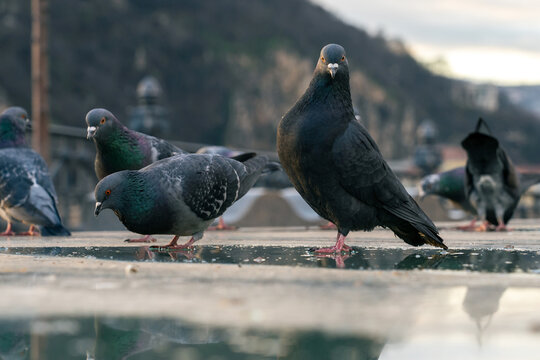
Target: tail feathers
x=244 y=157
x=481 y=122
x=55 y=230
x=272 y=166
x=418 y=234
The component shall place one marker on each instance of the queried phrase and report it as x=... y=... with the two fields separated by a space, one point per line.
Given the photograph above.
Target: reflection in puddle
x=140 y=338
x=485 y=260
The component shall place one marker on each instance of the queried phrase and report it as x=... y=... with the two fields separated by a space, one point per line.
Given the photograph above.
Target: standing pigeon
x=451 y=185
x=336 y=166
x=181 y=195
x=26 y=190
x=491 y=181
x=119 y=148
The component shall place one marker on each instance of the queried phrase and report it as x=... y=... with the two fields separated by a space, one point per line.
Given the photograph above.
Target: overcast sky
x=485 y=40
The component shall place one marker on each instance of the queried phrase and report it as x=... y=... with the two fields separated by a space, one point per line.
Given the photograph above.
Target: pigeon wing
x=364 y=174
x=161 y=149
x=210 y=185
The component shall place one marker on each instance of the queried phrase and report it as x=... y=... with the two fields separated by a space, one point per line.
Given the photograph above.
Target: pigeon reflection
x=481 y=303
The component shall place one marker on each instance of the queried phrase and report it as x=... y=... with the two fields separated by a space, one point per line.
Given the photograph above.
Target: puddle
x=140 y=338
x=484 y=260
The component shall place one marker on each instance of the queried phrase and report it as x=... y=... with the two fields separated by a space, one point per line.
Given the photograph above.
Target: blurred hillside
x=230 y=69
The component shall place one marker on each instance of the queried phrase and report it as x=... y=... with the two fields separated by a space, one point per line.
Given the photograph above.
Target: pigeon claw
x=144 y=239
x=333 y=250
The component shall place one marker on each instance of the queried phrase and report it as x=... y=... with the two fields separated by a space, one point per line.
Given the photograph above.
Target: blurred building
x=149 y=116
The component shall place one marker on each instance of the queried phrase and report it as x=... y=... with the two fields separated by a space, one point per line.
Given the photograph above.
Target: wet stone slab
x=490 y=260
x=262 y=294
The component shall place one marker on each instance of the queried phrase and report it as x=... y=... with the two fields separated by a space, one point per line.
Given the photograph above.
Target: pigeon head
x=109 y=192
x=20 y=114
x=333 y=61
x=12 y=131
x=100 y=123
x=429 y=185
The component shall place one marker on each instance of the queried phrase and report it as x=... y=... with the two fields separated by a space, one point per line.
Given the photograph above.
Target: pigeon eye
x=108 y=192
x=343 y=58
x=323 y=59
x=102 y=121
x=23 y=117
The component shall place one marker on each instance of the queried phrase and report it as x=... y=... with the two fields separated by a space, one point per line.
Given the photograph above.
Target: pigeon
x=119 y=148
x=491 y=181
x=336 y=166
x=26 y=191
x=451 y=185
x=180 y=195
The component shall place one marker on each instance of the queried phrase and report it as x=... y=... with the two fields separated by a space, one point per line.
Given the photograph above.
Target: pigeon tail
x=418 y=234
x=271 y=167
x=481 y=122
x=55 y=230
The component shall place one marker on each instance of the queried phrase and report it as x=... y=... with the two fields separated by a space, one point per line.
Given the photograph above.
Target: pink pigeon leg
x=329 y=226
x=8 y=231
x=173 y=245
x=144 y=239
x=470 y=227
x=222 y=226
x=501 y=226
x=337 y=248
x=30 y=232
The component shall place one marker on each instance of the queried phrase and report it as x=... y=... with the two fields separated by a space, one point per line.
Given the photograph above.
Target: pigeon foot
x=173 y=246
x=8 y=231
x=470 y=227
x=337 y=248
x=221 y=226
x=30 y=232
x=329 y=226
x=144 y=239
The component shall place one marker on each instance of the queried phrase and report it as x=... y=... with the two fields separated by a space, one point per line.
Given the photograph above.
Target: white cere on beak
x=333 y=68
x=90 y=131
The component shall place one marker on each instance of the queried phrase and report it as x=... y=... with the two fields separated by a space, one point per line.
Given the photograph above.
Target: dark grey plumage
x=119 y=148
x=491 y=181
x=451 y=185
x=336 y=166
x=26 y=190
x=180 y=195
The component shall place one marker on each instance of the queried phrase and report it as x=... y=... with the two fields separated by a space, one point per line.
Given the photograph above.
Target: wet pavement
x=490 y=260
x=262 y=294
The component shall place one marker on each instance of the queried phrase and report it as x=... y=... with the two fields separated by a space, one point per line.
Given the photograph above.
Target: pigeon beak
x=332 y=68
x=421 y=193
x=90 y=132
x=28 y=124
x=98 y=209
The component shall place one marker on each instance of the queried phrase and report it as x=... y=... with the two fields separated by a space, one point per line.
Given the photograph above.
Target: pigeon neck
x=121 y=150
x=10 y=138
x=334 y=93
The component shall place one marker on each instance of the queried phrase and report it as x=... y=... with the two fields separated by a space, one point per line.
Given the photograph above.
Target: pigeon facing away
x=491 y=181
x=26 y=190
x=119 y=148
x=336 y=166
x=181 y=195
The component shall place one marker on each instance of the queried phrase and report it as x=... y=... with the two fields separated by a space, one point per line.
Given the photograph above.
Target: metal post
x=40 y=78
